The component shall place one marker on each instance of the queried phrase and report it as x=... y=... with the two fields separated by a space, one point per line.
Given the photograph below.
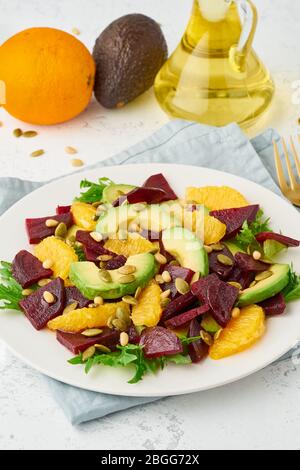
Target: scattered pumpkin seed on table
x=37 y=153
x=18 y=133
x=29 y=134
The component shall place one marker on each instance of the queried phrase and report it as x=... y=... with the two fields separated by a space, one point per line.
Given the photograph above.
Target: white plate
x=40 y=349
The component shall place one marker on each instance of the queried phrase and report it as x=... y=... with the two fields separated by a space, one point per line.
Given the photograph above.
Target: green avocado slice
x=86 y=277
x=112 y=192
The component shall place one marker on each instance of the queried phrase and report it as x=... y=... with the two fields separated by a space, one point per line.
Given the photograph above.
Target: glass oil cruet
x=214 y=76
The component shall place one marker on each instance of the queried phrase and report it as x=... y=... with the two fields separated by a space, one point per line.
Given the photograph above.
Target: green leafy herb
x=10 y=290
x=131 y=355
x=292 y=290
x=247 y=236
x=272 y=248
x=94 y=191
x=187 y=341
x=80 y=253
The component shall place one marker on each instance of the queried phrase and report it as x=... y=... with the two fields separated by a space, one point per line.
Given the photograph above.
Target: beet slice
x=221 y=299
x=198 y=350
x=77 y=343
x=218 y=268
x=199 y=288
x=249 y=264
x=274 y=306
x=175 y=273
x=148 y=195
x=134 y=336
x=63 y=209
x=159 y=341
x=235 y=218
x=287 y=241
x=245 y=278
x=178 y=305
x=38 y=311
x=28 y=270
x=151 y=236
x=91 y=245
x=186 y=317
x=159 y=181
x=74 y=295
x=37 y=229
x=116 y=262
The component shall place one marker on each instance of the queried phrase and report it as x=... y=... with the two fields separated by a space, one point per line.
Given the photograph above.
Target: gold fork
x=291 y=190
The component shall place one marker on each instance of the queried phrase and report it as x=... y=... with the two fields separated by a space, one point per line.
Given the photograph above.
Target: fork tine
x=293 y=181
x=280 y=173
x=297 y=161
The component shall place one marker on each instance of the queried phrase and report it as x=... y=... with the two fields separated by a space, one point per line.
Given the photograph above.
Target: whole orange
x=48 y=75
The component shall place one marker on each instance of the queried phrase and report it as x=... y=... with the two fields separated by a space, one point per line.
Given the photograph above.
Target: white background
x=259 y=412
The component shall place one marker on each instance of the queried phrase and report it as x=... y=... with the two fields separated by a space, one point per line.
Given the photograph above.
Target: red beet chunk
x=148 y=195
x=186 y=317
x=218 y=268
x=134 y=337
x=235 y=218
x=242 y=277
x=28 y=270
x=116 y=262
x=274 y=306
x=249 y=264
x=178 y=305
x=159 y=341
x=37 y=229
x=176 y=272
x=77 y=343
x=74 y=295
x=91 y=245
x=159 y=181
x=287 y=241
x=38 y=311
x=198 y=350
x=151 y=236
x=63 y=209
x=199 y=288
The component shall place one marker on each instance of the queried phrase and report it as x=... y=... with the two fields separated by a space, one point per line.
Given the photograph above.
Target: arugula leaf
x=247 y=235
x=272 y=248
x=187 y=341
x=94 y=190
x=130 y=355
x=10 y=290
x=292 y=290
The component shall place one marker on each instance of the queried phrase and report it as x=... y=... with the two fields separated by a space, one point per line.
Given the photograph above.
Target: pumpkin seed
x=76 y=162
x=103 y=265
x=71 y=150
x=70 y=308
x=165 y=294
x=27 y=292
x=43 y=282
x=217 y=247
x=127 y=279
x=92 y=332
x=256 y=255
x=253 y=284
x=76 y=31
x=88 y=353
x=165 y=302
x=235 y=284
x=18 y=133
x=128 y=299
x=102 y=348
x=218 y=334
x=51 y=223
x=119 y=324
x=98 y=300
x=235 y=312
x=92 y=305
x=264 y=275
x=161 y=259
x=195 y=278
x=174 y=262
x=49 y=297
x=208 y=249
x=166 y=276
x=138 y=293
x=105 y=276
x=159 y=279
x=47 y=264
x=127 y=269
x=105 y=258
x=121 y=314
x=96 y=236
x=124 y=338
x=109 y=322
x=225 y=260
x=37 y=153
x=61 y=230
x=30 y=134
x=182 y=286
x=206 y=337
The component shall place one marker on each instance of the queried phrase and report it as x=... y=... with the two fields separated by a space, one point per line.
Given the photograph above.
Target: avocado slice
x=268 y=288
x=116 y=218
x=209 y=324
x=155 y=219
x=187 y=249
x=86 y=278
x=112 y=192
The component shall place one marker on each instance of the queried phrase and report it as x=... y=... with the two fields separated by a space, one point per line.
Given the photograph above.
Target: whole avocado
x=128 y=54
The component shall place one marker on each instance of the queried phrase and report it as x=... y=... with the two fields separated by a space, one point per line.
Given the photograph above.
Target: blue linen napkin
x=226 y=149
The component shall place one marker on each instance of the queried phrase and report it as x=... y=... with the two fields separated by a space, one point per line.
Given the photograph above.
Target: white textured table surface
x=259 y=412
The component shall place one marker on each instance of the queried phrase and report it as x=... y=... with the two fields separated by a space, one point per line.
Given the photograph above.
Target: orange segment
x=214 y=230
x=241 y=333
x=86 y=318
x=57 y=251
x=148 y=310
x=83 y=215
x=216 y=197
x=131 y=246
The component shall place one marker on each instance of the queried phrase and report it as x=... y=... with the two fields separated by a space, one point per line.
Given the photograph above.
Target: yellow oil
x=200 y=81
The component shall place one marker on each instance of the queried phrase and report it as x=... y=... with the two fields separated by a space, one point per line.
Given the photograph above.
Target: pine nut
x=98 y=300
x=208 y=249
x=51 y=223
x=105 y=258
x=124 y=338
x=166 y=276
x=96 y=236
x=48 y=297
x=165 y=294
x=27 y=292
x=256 y=255
x=76 y=162
x=47 y=264
x=161 y=259
x=43 y=282
x=159 y=279
x=235 y=312
x=71 y=150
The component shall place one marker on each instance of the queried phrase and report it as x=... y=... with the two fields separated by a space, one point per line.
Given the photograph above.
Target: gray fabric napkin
x=226 y=149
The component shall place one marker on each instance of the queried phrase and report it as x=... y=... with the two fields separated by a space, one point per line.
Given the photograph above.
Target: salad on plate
x=137 y=277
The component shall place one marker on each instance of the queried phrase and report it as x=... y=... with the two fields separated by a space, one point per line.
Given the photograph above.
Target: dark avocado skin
x=128 y=55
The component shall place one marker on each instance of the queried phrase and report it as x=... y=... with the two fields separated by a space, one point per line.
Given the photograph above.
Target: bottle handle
x=239 y=52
